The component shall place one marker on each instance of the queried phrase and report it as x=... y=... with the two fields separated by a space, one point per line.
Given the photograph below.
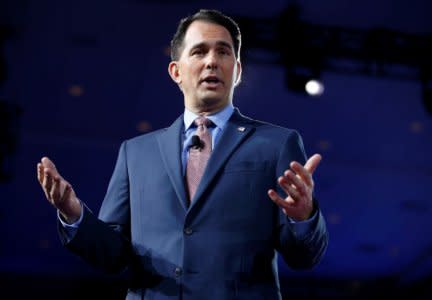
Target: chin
x=210 y=102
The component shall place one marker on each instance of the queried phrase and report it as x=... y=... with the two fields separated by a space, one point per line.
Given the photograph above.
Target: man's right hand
x=58 y=191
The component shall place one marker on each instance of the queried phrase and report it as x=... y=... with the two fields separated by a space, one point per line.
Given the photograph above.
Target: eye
x=197 y=52
x=224 y=51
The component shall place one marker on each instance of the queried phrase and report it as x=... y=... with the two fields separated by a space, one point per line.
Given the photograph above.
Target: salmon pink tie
x=198 y=155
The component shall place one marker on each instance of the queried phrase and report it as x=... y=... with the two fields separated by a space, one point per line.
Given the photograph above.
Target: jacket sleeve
x=301 y=244
x=104 y=241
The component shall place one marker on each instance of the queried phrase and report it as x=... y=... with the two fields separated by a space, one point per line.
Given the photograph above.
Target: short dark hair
x=207 y=15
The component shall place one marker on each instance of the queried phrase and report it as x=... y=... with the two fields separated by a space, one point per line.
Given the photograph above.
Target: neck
x=206 y=110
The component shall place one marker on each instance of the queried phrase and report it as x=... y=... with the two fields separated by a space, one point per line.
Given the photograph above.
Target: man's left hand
x=298 y=184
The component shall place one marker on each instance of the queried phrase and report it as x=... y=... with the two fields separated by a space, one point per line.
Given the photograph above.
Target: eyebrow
x=218 y=43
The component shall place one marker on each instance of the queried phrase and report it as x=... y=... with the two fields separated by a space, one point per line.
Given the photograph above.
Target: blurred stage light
x=314 y=87
x=76 y=90
x=304 y=81
x=144 y=126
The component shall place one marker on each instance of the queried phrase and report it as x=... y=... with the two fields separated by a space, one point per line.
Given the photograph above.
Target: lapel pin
x=241 y=129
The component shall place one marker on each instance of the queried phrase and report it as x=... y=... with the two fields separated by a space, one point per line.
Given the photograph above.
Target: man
x=185 y=235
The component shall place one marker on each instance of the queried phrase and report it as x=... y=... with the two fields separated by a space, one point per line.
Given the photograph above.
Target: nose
x=211 y=60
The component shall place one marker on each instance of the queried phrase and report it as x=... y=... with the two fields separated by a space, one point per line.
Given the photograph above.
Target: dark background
x=78 y=77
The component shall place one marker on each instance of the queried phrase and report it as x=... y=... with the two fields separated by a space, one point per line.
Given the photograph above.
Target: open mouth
x=211 y=81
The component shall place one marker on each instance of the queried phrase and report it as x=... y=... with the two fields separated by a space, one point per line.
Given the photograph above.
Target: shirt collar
x=219 y=119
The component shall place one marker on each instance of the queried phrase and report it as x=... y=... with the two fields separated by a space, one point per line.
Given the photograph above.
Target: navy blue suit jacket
x=224 y=244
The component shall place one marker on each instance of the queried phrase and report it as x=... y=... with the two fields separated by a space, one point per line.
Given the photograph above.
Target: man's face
x=207 y=69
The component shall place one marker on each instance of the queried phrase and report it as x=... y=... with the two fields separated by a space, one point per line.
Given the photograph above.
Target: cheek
x=230 y=74
x=230 y=71
x=192 y=72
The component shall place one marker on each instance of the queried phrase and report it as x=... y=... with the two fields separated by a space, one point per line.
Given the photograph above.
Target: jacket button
x=178 y=271
x=188 y=231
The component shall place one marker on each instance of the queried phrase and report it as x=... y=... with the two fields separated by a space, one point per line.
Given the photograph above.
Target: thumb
x=313 y=163
x=47 y=163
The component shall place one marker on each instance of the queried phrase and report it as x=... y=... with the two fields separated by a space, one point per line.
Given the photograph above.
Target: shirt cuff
x=70 y=229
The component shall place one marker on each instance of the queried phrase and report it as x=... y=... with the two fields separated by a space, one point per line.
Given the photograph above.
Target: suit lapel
x=170 y=146
x=237 y=129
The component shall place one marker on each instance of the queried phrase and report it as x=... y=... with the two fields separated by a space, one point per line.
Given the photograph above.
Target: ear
x=239 y=72
x=174 y=71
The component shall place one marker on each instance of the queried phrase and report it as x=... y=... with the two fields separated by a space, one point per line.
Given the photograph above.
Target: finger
x=55 y=191
x=47 y=180
x=51 y=173
x=67 y=191
x=289 y=188
x=40 y=174
x=278 y=200
x=294 y=180
x=283 y=183
x=302 y=173
x=47 y=163
x=313 y=163
x=46 y=186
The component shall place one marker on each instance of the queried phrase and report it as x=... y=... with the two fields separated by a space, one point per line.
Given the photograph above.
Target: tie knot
x=203 y=121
